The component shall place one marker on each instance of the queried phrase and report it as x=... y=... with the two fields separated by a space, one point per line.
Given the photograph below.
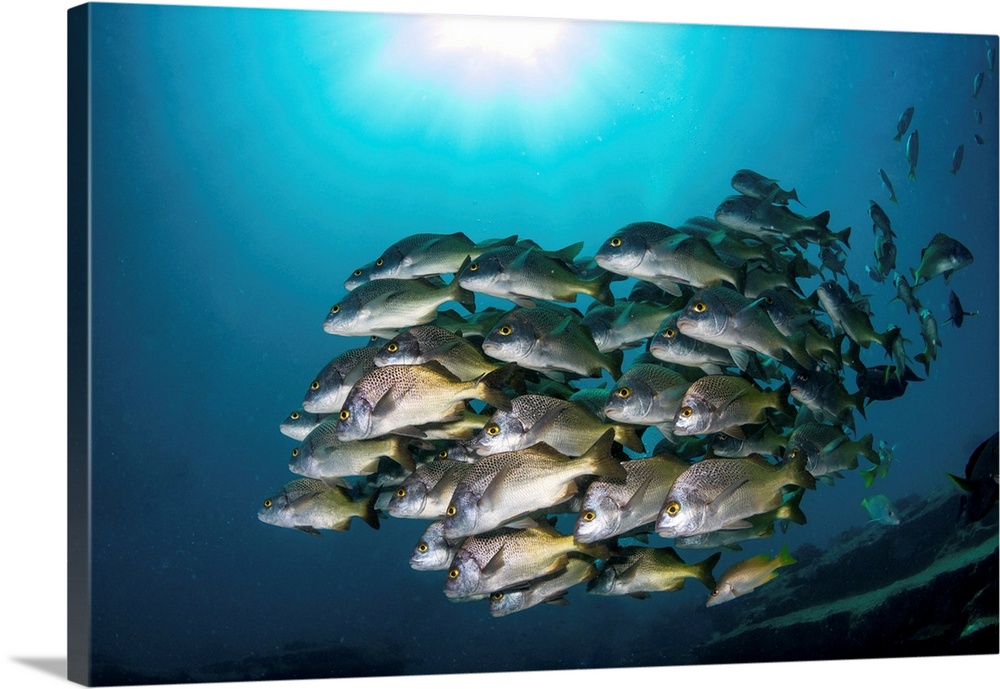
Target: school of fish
x=559 y=419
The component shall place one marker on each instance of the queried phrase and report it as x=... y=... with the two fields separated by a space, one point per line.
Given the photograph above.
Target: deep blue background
x=245 y=161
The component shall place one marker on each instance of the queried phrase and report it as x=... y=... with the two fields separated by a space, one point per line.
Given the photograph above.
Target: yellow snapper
x=745 y=576
x=394 y=398
x=722 y=493
x=638 y=570
x=503 y=487
x=507 y=557
x=308 y=504
x=551 y=589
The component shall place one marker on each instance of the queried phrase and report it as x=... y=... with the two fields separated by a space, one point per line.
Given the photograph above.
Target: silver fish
x=401 y=398
x=426 y=492
x=724 y=403
x=647 y=394
x=888 y=185
x=756 y=185
x=425 y=343
x=719 y=493
x=618 y=506
x=322 y=455
x=639 y=570
x=672 y=346
x=912 y=150
x=943 y=255
x=299 y=423
x=385 y=307
x=308 y=504
x=422 y=255
x=956 y=159
x=506 y=486
x=549 y=589
x=903 y=123
x=329 y=388
x=432 y=552
x=828 y=450
x=565 y=426
x=623 y=325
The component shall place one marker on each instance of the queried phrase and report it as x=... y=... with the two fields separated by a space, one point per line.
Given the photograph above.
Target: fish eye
x=295 y=452
x=344 y=415
x=422 y=547
x=314 y=385
x=700 y=307
x=294 y=416
x=357 y=273
x=686 y=412
x=804 y=376
x=473 y=267
x=589 y=516
x=401 y=493
x=624 y=392
x=670 y=333
x=616 y=241
x=492 y=429
x=268 y=503
x=451 y=511
x=793 y=454
x=453 y=574
x=335 y=308
x=392 y=347
x=672 y=508
x=769 y=299
x=505 y=330
x=443 y=454
x=497 y=596
x=379 y=262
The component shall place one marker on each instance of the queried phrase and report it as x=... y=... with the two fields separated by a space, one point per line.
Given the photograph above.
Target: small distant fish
x=881 y=510
x=824 y=394
x=979 y=140
x=885 y=254
x=929 y=331
x=977 y=115
x=746 y=576
x=903 y=123
x=874 y=274
x=885 y=382
x=904 y=293
x=888 y=185
x=942 y=256
x=991 y=58
x=758 y=186
x=880 y=220
x=979 y=484
x=977 y=84
x=885 y=461
x=847 y=315
x=956 y=313
x=912 y=149
x=956 y=159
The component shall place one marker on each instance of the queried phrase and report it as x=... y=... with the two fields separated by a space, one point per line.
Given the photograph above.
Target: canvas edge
x=78 y=345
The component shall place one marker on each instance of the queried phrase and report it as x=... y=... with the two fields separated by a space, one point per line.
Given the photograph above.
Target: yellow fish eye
x=453 y=574
x=589 y=516
x=379 y=262
x=615 y=241
x=357 y=273
x=344 y=415
x=423 y=547
x=443 y=454
x=392 y=347
x=335 y=308
x=505 y=330
x=473 y=267
x=624 y=392
x=295 y=452
x=686 y=412
x=492 y=429
x=793 y=454
x=700 y=307
x=268 y=503
x=670 y=333
x=497 y=596
x=451 y=511
x=804 y=376
x=672 y=508
x=769 y=299
x=401 y=493
x=314 y=385
x=294 y=416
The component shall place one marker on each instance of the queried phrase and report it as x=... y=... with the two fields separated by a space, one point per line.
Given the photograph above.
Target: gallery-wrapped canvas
x=416 y=344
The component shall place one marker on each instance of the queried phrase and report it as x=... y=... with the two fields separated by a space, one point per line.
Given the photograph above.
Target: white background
x=33 y=332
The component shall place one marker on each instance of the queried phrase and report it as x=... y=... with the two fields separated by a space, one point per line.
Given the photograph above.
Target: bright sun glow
x=516 y=39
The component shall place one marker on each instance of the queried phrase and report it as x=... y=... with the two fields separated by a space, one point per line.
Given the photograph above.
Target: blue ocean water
x=246 y=161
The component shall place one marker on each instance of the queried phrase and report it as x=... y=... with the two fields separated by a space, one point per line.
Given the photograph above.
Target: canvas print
x=411 y=344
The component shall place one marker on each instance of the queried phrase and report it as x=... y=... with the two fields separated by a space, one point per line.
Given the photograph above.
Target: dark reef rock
x=927 y=587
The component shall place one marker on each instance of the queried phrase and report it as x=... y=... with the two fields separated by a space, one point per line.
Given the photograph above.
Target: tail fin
x=627 y=436
x=600 y=460
x=368 y=513
x=703 y=570
x=796 y=474
x=488 y=384
x=399 y=452
x=844 y=237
